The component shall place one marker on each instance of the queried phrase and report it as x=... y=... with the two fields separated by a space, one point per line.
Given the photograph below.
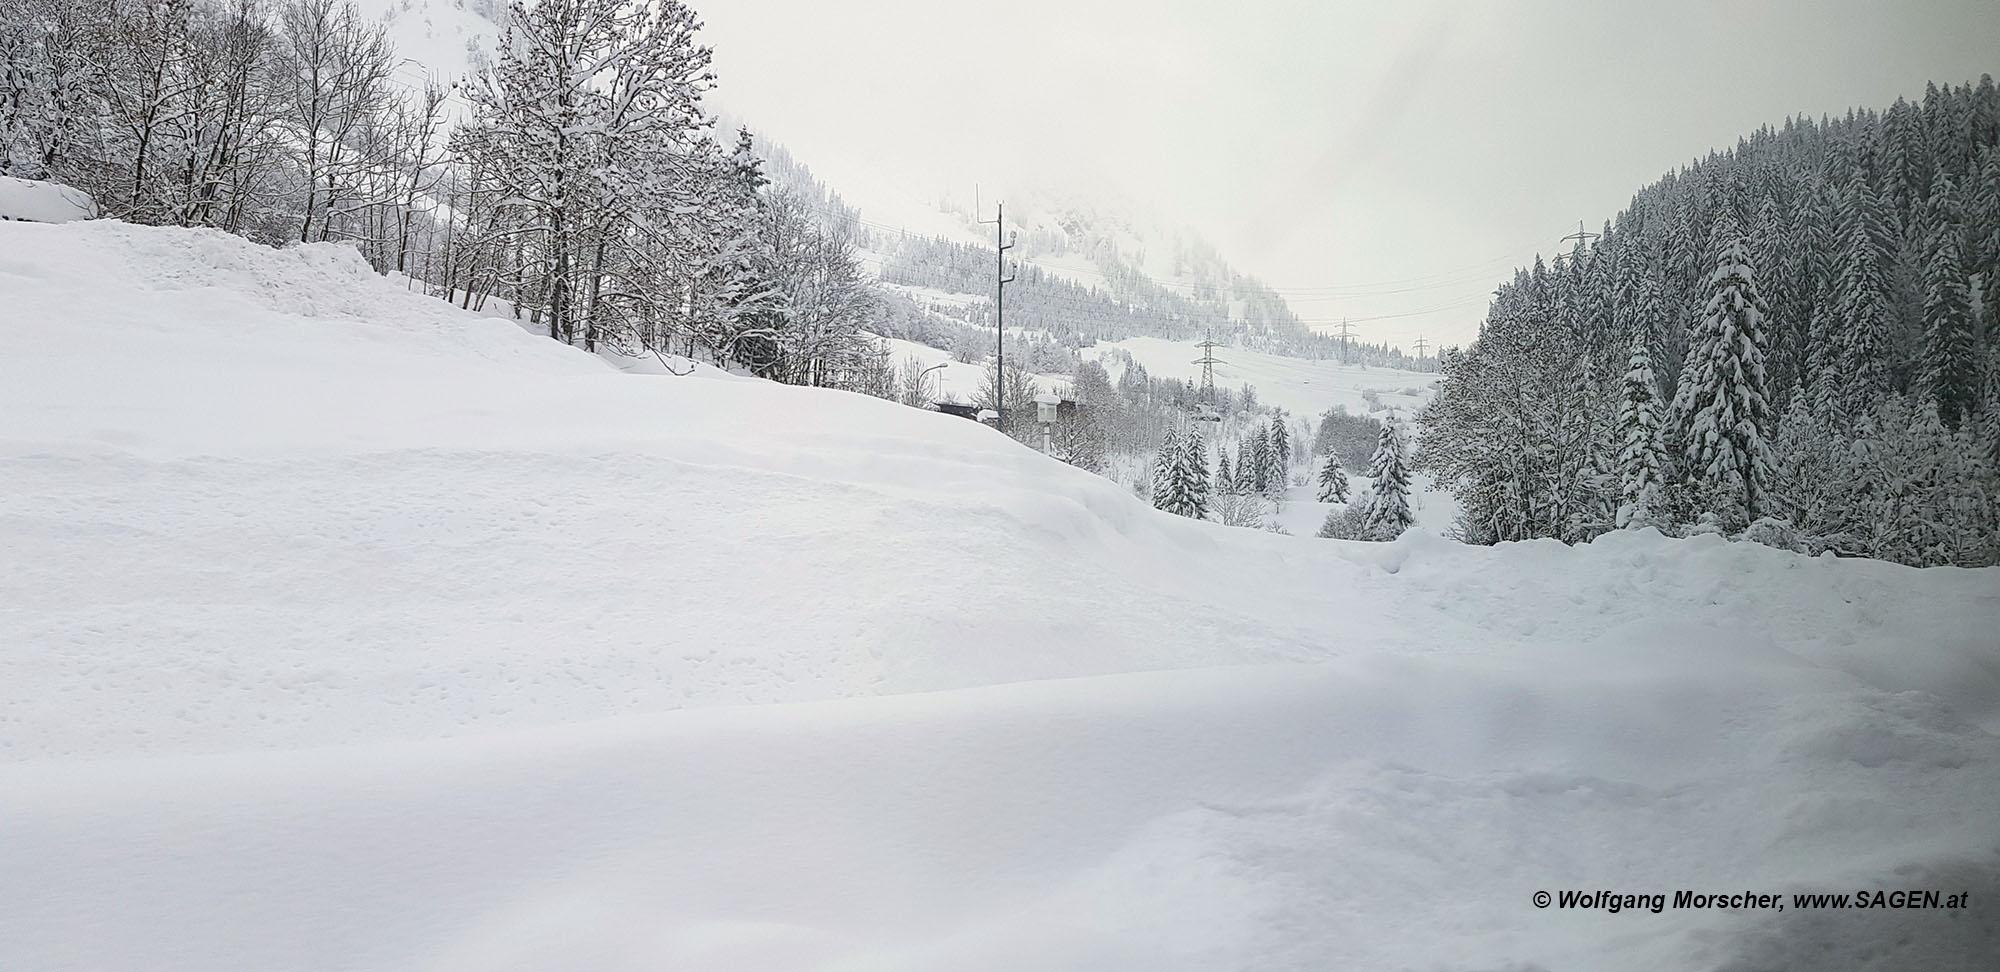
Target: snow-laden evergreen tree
x=1641 y=460
x=1333 y=487
x=1593 y=427
x=1861 y=305
x=1983 y=239
x=1822 y=484
x=1388 y=506
x=1821 y=383
x=1926 y=502
x=1516 y=426
x=1775 y=244
x=1845 y=246
x=1225 y=478
x=1181 y=484
x=1721 y=411
x=735 y=303
x=1260 y=459
x=1649 y=316
x=1951 y=362
x=1163 y=468
x=1280 y=458
x=1197 y=487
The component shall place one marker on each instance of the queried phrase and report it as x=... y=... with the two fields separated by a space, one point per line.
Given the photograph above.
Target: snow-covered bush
x=1350 y=522
x=1709 y=523
x=1772 y=531
x=1237 y=509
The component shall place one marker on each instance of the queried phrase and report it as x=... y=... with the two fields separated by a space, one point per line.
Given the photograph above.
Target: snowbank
x=343 y=629
x=43 y=202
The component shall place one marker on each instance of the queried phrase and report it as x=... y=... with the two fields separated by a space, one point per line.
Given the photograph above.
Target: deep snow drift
x=343 y=630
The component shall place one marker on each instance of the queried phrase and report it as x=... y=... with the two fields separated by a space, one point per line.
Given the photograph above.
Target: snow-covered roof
x=43 y=202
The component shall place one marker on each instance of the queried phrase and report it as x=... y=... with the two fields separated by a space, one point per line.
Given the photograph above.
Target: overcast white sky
x=1344 y=148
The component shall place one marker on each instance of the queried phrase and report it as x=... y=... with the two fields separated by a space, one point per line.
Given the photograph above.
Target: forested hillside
x=1797 y=340
x=1114 y=298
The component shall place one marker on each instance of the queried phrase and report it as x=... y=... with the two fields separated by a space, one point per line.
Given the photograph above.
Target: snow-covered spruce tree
x=1774 y=246
x=1511 y=428
x=1926 y=501
x=1816 y=487
x=1951 y=361
x=1163 y=467
x=1720 y=411
x=1332 y=479
x=1388 y=505
x=1983 y=228
x=1845 y=218
x=1260 y=459
x=1641 y=461
x=734 y=299
x=1225 y=478
x=1593 y=426
x=1280 y=473
x=1861 y=305
x=1194 y=465
x=1183 y=488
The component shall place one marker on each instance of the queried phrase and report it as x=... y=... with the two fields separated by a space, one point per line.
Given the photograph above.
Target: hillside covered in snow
x=346 y=629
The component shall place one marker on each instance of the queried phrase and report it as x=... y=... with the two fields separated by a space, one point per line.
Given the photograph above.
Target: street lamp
x=926 y=371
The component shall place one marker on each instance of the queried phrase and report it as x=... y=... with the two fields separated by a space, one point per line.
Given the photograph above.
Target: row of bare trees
x=278 y=121
x=576 y=177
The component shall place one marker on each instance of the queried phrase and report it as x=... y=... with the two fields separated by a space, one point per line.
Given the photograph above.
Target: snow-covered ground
x=959 y=380
x=340 y=629
x=43 y=202
x=1302 y=513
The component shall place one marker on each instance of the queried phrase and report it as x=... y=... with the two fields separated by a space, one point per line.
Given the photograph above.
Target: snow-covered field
x=958 y=380
x=343 y=630
x=1298 y=385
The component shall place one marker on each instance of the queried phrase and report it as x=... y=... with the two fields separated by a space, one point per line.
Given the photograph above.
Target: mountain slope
x=346 y=630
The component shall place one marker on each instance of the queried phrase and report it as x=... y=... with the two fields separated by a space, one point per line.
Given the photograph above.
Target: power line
x=1208 y=361
x=1582 y=238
